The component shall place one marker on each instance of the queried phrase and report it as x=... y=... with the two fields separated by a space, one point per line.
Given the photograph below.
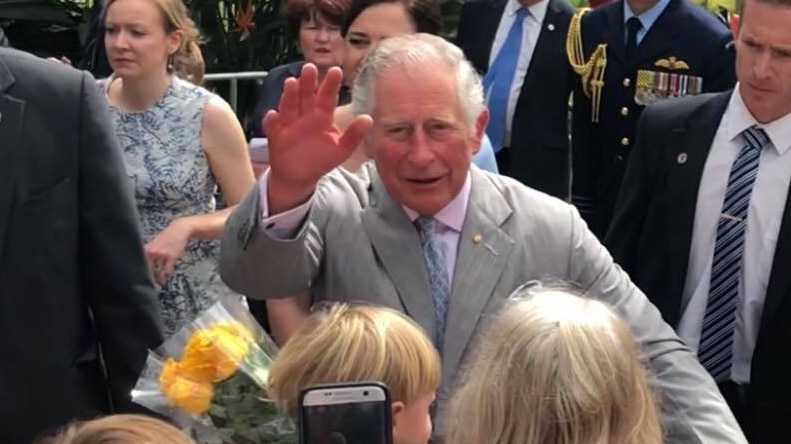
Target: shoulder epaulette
x=590 y=71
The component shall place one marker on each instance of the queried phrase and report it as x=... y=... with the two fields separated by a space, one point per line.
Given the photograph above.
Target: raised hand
x=304 y=142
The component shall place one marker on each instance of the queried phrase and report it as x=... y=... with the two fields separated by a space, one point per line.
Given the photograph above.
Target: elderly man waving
x=424 y=232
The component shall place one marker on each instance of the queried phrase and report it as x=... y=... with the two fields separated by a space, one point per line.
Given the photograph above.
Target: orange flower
x=181 y=392
x=214 y=354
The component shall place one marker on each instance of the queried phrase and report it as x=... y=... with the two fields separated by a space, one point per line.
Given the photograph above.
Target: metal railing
x=234 y=78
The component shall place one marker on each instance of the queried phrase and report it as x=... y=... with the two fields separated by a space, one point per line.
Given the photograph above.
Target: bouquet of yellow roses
x=210 y=379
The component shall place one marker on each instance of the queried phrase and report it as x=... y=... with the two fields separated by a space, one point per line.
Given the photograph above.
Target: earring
x=170 y=63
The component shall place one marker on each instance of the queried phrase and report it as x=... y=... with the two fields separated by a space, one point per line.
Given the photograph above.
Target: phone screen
x=356 y=421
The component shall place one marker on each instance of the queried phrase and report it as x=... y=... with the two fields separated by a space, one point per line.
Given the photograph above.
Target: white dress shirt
x=448 y=221
x=531 y=28
x=767 y=204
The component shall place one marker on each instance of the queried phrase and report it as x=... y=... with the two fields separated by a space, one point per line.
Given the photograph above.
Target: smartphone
x=259 y=149
x=355 y=413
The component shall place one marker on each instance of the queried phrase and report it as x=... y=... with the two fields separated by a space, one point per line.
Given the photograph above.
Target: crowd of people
x=559 y=226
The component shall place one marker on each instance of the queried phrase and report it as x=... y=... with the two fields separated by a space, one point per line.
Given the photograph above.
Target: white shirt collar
x=738 y=118
x=453 y=214
x=537 y=11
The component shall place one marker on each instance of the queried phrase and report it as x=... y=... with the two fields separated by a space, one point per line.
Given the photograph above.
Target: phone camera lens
x=365 y=393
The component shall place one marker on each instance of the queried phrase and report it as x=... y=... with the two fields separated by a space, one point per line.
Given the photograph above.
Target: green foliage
x=239 y=409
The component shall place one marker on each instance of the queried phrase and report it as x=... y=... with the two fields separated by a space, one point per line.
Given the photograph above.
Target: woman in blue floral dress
x=179 y=142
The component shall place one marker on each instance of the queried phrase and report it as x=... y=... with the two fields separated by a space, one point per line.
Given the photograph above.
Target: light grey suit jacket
x=357 y=244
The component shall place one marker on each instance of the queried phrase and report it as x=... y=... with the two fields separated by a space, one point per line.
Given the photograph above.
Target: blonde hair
x=120 y=429
x=187 y=62
x=353 y=343
x=555 y=368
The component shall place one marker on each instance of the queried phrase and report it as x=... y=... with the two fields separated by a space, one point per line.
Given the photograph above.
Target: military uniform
x=685 y=52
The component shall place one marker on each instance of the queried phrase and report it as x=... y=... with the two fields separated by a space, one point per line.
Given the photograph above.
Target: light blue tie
x=719 y=322
x=437 y=275
x=498 y=80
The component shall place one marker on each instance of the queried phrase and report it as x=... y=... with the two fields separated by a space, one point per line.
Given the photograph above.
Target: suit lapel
x=780 y=279
x=689 y=148
x=549 y=39
x=614 y=35
x=488 y=26
x=662 y=35
x=11 y=115
x=483 y=252
x=397 y=245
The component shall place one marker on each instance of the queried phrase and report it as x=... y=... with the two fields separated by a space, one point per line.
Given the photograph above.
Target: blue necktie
x=498 y=80
x=437 y=275
x=719 y=322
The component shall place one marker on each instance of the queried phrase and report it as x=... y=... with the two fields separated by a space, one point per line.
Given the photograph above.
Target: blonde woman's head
x=354 y=343
x=146 y=36
x=120 y=429
x=555 y=368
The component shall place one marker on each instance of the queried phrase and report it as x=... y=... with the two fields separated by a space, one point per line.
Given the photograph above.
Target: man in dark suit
x=703 y=223
x=534 y=148
x=631 y=53
x=78 y=310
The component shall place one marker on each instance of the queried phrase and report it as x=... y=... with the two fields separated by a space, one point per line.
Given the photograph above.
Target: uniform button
x=627 y=81
x=625 y=141
x=619 y=158
x=624 y=111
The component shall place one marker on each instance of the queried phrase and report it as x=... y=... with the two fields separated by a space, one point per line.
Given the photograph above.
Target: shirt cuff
x=283 y=226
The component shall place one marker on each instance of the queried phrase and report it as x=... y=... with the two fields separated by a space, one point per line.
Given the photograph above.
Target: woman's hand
x=165 y=250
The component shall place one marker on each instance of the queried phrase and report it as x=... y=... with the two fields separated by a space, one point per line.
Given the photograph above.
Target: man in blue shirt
x=628 y=54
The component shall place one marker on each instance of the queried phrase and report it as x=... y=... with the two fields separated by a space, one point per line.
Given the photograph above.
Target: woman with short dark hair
x=316 y=26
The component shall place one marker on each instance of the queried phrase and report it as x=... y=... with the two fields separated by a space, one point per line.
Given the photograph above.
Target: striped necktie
x=719 y=322
x=439 y=282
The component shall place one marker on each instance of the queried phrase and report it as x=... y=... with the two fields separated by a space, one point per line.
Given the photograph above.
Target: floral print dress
x=171 y=178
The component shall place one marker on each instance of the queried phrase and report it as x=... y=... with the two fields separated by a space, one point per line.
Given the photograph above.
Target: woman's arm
x=224 y=144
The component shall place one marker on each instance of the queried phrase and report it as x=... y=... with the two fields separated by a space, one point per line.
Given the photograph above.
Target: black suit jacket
x=539 y=151
x=601 y=150
x=651 y=235
x=73 y=279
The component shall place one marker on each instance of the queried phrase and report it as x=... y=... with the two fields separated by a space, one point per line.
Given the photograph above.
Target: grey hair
x=410 y=50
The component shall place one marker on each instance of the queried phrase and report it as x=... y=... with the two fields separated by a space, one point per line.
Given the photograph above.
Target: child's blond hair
x=354 y=343
x=119 y=429
x=555 y=368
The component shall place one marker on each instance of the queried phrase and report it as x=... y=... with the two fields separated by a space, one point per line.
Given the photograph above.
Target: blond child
x=355 y=343
x=119 y=429
x=555 y=368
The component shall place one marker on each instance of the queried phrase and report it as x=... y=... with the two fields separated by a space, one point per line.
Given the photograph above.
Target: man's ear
x=480 y=128
x=397 y=409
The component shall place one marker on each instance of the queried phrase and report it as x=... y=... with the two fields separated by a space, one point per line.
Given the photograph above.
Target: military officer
x=630 y=53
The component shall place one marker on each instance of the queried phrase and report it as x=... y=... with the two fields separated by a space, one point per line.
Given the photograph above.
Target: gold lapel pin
x=477 y=239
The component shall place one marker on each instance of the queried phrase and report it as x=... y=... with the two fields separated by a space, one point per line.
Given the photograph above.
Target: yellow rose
x=195 y=367
x=237 y=329
x=191 y=396
x=183 y=393
x=214 y=354
x=169 y=374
